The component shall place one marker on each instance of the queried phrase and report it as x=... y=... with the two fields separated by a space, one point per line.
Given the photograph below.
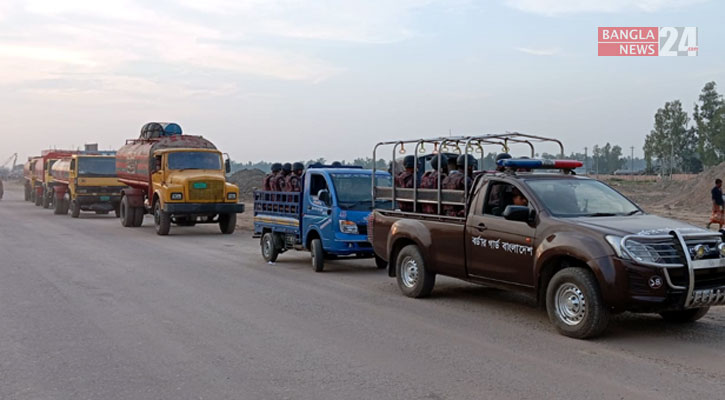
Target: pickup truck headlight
x=616 y=243
x=177 y=196
x=348 y=227
x=231 y=196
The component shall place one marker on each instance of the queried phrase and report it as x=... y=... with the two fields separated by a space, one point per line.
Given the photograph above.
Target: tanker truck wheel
x=227 y=223
x=75 y=209
x=138 y=214
x=46 y=199
x=162 y=220
x=126 y=213
x=59 y=207
x=27 y=193
x=117 y=211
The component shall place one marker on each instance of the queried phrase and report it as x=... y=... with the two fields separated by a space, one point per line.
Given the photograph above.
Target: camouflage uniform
x=455 y=181
x=278 y=182
x=267 y=182
x=405 y=180
x=430 y=181
x=293 y=183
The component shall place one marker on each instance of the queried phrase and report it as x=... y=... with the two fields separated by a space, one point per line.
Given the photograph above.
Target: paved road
x=92 y=310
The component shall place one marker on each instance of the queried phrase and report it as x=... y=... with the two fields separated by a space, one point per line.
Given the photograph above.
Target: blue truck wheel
x=318 y=255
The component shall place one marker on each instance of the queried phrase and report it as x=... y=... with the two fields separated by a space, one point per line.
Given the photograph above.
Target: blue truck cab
x=328 y=217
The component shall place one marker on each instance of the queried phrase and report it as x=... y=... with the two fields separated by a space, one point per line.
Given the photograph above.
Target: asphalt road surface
x=92 y=310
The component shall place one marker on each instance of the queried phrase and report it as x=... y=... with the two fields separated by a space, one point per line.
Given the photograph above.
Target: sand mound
x=695 y=192
x=247 y=180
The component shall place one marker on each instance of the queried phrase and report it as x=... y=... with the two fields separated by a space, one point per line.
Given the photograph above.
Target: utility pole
x=586 y=162
x=631 y=163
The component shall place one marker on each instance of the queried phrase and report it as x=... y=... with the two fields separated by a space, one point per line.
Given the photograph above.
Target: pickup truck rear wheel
x=574 y=304
x=684 y=316
x=318 y=255
x=270 y=250
x=162 y=220
x=380 y=263
x=227 y=223
x=414 y=279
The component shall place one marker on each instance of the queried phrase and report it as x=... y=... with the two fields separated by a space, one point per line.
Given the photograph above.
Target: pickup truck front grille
x=206 y=190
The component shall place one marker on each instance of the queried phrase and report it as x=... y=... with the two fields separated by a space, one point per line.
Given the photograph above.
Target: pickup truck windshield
x=580 y=198
x=96 y=166
x=194 y=160
x=353 y=190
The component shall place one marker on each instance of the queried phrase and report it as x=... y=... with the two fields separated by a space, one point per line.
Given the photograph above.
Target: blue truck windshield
x=354 y=191
x=580 y=198
x=96 y=166
x=194 y=160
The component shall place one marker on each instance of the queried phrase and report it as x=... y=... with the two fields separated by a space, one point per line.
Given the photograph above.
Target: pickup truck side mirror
x=324 y=196
x=519 y=213
x=227 y=166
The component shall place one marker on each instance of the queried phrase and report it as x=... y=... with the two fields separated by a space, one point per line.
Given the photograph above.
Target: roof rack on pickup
x=446 y=144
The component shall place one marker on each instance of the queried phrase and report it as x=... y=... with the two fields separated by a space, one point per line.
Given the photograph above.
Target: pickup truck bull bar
x=440 y=145
x=674 y=250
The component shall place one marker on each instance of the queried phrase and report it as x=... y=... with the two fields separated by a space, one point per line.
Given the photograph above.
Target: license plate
x=105 y=198
x=199 y=185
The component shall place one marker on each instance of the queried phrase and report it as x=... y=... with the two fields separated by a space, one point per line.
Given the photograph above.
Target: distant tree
x=670 y=141
x=710 y=125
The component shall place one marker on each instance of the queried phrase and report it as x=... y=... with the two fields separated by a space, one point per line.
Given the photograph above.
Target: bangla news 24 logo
x=647 y=41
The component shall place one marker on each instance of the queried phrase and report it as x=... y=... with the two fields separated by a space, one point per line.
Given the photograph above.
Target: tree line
x=678 y=143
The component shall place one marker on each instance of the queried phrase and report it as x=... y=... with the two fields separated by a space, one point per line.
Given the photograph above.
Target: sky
x=283 y=80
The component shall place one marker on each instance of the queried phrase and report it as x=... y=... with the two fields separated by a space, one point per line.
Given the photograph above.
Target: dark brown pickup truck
x=579 y=247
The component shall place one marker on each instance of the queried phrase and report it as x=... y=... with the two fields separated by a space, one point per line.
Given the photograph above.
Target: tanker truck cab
x=190 y=184
x=90 y=184
x=328 y=217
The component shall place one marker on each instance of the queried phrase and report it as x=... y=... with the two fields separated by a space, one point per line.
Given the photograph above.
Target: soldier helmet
x=434 y=161
x=276 y=167
x=409 y=161
x=298 y=166
x=502 y=156
x=336 y=164
x=287 y=167
x=461 y=161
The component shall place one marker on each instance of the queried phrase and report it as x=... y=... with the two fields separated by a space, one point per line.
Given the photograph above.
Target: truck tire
x=60 y=208
x=380 y=263
x=138 y=213
x=33 y=196
x=117 y=211
x=162 y=220
x=318 y=255
x=126 y=213
x=684 y=316
x=413 y=278
x=574 y=304
x=75 y=209
x=270 y=250
x=46 y=199
x=227 y=223
x=27 y=193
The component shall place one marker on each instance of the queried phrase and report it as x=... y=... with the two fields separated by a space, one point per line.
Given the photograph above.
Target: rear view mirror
x=324 y=196
x=519 y=213
x=227 y=165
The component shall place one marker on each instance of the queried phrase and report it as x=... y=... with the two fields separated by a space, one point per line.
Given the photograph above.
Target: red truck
x=577 y=246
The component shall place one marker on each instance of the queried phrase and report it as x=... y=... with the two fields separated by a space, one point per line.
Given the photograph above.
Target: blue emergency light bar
x=539 y=164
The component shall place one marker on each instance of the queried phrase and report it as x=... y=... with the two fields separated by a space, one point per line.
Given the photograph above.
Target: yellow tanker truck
x=86 y=182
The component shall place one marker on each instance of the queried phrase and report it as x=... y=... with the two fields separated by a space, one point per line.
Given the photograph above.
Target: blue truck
x=328 y=217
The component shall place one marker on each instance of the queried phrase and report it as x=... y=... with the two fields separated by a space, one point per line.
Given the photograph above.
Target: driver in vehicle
x=518 y=198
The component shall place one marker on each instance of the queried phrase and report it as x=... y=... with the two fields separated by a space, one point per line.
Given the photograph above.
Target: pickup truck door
x=316 y=212
x=498 y=249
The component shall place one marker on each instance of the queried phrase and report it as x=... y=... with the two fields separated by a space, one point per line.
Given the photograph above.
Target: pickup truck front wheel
x=575 y=304
x=414 y=279
x=318 y=255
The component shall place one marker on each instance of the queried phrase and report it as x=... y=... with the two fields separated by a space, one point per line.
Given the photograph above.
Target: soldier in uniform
x=459 y=180
x=405 y=180
x=278 y=182
x=293 y=182
x=267 y=183
x=430 y=180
